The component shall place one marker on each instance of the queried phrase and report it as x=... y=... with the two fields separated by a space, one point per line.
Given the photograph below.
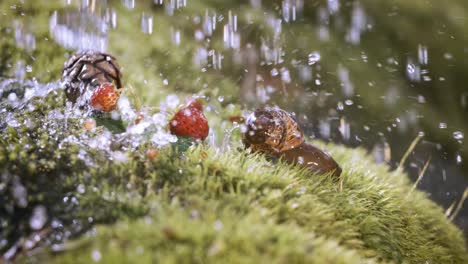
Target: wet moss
x=203 y=206
x=208 y=206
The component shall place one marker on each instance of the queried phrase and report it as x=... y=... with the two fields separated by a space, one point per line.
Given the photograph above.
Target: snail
x=88 y=70
x=274 y=132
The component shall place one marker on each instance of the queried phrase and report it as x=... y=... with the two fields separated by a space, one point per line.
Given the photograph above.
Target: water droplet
x=172 y=5
x=313 y=58
x=358 y=24
x=130 y=4
x=300 y=160
x=96 y=255
x=345 y=128
x=346 y=85
x=147 y=23
x=448 y=56
x=23 y=37
x=20 y=195
x=333 y=6
x=38 y=217
x=285 y=75
x=81 y=189
x=413 y=71
x=340 y=106
x=274 y=72
x=382 y=152
x=464 y=100
x=176 y=37
x=422 y=55
x=458 y=135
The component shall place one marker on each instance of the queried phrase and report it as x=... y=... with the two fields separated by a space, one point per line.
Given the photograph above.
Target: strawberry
x=105 y=97
x=190 y=122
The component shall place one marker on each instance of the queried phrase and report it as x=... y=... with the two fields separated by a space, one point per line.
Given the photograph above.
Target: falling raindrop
x=209 y=23
x=458 y=135
x=358 y=24
x=413 y=71
x=256 y=3
x=24 y=39
x=130 y=4
x=111 y=17
x=147 y=23
x=464 y=100
x=324 y=128
x=200 y=57
x=422 y=55
x=346 y=85
x=38 y=217
x=305 y=73
x=333 y=6
x=382 y=152
x=172 y=5
x=230 y=36
x=176 y=37
x=96 y=255
x=345 y=129
x=81 y=189
x=285 y=75
x=78 y=30
x=20 y=195
x=313 y=58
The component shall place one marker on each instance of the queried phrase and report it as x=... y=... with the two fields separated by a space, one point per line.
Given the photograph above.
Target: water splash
x=79 y=30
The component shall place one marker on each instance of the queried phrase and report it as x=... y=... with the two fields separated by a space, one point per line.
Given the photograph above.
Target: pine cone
x=87 y=70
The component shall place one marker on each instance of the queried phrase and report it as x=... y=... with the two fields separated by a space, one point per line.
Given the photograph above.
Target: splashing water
x=79 y=30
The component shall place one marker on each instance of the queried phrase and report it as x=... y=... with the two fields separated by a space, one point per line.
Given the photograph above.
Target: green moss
x=207 y=205
x=237 y=207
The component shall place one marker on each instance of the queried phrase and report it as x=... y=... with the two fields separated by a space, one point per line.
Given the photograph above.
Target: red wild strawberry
x=105 y=97
x=190 y=122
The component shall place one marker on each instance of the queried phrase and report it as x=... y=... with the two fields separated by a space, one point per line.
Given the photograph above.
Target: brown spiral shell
x=87 y=70
x=274 y=132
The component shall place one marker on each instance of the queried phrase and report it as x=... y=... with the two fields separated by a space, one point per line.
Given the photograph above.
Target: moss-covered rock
x=113 y=204
x=205 y=205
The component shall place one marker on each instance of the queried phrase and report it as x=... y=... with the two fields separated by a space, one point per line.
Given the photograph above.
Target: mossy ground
x=206 y=205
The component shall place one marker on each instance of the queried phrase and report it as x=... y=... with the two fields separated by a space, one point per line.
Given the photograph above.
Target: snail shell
x=88 y=70
x=274 y=132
